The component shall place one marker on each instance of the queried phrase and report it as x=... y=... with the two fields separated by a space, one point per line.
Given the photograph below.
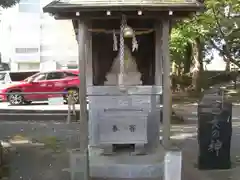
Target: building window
x=28 y=66
x=26 y=50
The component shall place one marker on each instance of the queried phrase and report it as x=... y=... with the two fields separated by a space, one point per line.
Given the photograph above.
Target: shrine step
x=134 y=149
x=123 y=147
x=123 y=165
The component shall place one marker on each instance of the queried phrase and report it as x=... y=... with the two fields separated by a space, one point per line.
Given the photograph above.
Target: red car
x=52 y=81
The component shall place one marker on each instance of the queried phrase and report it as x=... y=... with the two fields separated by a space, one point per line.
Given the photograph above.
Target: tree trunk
x=227 y=67
x=188 y=60
x=197 y=64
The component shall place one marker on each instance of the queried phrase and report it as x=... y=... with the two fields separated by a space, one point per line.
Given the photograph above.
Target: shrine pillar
x=83 y=53
x=167 y=98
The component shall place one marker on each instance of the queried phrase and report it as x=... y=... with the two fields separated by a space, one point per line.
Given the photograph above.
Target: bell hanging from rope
x=128 y=32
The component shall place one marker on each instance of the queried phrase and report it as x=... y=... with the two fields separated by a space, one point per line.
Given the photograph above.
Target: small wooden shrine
x=124 y=67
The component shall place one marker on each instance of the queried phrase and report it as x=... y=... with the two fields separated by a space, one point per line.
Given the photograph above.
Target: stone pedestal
x=120 y=116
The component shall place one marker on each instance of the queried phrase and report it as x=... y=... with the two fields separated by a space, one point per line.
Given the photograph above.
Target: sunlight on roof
x=129 y=2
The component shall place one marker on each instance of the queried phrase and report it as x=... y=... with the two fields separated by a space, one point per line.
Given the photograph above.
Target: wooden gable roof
x=122 y=5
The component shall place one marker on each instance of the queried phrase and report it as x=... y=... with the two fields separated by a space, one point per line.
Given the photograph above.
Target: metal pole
x=166 y=84
x=82 y=33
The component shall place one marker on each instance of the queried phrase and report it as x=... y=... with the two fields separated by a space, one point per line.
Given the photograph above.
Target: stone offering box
x=123 y=115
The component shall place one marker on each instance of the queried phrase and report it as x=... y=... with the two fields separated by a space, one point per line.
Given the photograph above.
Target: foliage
x=213 y=78
x=183 y=35
x=225 y=36
x=8 y=3
x=218 y=27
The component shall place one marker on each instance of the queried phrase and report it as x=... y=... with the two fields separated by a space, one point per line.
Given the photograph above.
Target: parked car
x=52 y=81
x=9 y=77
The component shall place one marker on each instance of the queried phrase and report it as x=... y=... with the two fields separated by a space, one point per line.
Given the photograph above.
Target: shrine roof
x=97 y=5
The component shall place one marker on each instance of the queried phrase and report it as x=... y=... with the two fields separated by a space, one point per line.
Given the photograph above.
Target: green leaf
x=8 y=3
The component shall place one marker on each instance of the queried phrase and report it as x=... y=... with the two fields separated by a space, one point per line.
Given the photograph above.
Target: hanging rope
x=134 y=43
x=137 y=32
x=121 y=57
x=115 y=46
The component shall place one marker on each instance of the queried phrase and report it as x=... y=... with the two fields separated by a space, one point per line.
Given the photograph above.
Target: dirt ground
x=39 y=151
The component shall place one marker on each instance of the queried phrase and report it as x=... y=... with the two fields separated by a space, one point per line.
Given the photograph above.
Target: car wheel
x=15 y=98
x=75 y=95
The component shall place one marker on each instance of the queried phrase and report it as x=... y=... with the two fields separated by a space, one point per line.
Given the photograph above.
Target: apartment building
x=32 y=40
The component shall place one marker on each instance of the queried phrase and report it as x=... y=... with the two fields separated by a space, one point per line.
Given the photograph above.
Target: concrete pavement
x=35 y=112
x=42 y=111
x=189 y=111
x=44 y=154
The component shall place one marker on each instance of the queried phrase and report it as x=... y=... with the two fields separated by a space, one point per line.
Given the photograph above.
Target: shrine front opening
x=105 y=54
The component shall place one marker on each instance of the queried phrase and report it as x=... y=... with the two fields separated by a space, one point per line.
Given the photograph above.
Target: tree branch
x=224 y=54
x=215 y=46
x=227 y=52
x=8 y=3
x=218 y=23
